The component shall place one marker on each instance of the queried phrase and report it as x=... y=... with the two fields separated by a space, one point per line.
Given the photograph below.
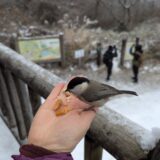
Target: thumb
x=50 y=101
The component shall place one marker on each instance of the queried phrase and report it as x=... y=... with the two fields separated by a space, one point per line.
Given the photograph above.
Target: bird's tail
x=128 y=92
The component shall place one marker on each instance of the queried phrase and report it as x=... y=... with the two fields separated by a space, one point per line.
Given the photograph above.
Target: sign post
x=79 y=54
x=123 y=49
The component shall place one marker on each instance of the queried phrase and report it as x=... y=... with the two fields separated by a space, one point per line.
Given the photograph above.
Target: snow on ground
x=144 y=109
x=8 y=144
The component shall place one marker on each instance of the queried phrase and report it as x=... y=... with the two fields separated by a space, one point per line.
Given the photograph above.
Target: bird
x=90 y=91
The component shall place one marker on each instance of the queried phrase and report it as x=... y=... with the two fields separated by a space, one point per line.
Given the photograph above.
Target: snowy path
x=8 y=144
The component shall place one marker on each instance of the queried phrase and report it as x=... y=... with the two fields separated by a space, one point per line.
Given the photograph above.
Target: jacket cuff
x=33 y=151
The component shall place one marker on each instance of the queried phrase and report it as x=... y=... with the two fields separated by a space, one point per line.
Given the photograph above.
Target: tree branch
x=128 y=5
x=110 y=10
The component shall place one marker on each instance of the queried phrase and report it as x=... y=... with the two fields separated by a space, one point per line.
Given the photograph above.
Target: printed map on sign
x=40 y=49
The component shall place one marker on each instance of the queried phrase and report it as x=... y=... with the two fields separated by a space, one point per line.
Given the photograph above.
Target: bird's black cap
x=76 y=81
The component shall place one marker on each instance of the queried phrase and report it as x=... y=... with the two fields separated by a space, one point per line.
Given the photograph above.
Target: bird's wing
x=97 y=91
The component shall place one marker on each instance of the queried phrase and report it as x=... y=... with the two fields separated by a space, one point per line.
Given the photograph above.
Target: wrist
x=33 y=151
x=54 y=147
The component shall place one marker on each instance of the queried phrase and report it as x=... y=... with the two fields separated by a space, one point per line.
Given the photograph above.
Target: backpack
x=106 y=57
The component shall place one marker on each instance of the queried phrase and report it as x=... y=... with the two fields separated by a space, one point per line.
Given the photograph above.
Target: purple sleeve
x=58 y=156
x=31 y=152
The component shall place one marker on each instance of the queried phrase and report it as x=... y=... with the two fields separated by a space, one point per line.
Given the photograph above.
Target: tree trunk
x=97 y=5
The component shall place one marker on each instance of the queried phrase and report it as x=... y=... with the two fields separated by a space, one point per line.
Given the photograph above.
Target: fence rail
x=21 y=79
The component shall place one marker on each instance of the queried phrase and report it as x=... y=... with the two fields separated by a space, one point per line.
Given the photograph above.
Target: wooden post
x=123 y=49
x=61 y=37
x=35 y=100
x=2 y=106
x=16 y=104
x=155 y=153
x=115 y=132
x=92 y=150
x=1 y=103
x=7 y=102
x=99 y=54
x=25 y=102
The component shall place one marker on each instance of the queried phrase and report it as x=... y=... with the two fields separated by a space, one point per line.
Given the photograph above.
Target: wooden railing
x=21 y=84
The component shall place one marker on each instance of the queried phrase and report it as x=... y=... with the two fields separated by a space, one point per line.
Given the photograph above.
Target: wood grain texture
x=39 y=79
x=15 y=101
x=26 y=106
x=92 y=150
x=122 y=140
x=6 y=101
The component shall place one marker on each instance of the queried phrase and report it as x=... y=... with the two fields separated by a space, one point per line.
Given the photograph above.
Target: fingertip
x=59 y=85
x=57 y=89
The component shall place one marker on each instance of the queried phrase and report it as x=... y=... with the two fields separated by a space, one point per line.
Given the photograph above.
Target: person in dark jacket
x=108 y=59
x=136 y=51
x=54 y=138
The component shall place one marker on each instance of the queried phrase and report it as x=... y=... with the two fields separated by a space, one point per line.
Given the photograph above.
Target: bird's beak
x=66 y=90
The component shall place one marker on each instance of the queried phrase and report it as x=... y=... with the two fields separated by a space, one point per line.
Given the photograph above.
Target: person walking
x=108 y=60
x=136 y=51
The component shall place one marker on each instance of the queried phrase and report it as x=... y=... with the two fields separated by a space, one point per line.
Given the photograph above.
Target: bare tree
x=98 y=3
x=122 y=13
x=127 y=5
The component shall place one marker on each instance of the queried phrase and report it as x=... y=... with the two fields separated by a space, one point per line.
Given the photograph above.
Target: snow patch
x=147 y=141
x=140 y=110
x=8 y=144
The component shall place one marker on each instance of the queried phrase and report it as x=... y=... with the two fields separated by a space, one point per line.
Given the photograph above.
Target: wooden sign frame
x=53 y=54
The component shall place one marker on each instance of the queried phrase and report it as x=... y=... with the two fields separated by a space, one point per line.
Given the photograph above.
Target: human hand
x=63 y=133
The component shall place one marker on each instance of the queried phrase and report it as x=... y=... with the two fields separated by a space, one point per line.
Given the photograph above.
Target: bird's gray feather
x=104 y=91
